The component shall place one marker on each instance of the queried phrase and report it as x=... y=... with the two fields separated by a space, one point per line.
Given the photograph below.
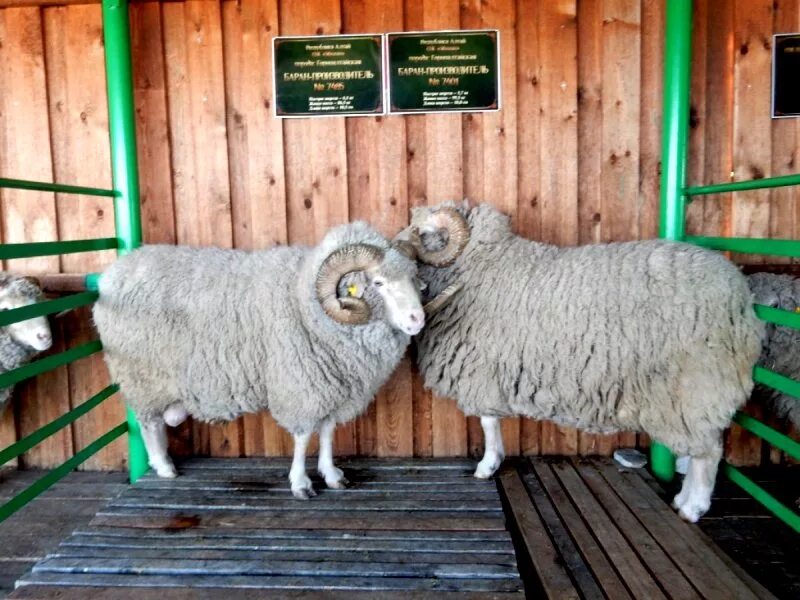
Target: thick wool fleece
x=781 y=352
x=13 y=353
x=225 y=332
x=646 y=336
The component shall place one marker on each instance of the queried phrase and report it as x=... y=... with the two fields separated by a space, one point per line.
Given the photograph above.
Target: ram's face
x=34 y=333
x=393 y=291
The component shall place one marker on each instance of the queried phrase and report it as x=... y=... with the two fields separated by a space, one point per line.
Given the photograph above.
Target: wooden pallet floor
x=406 y=528
x=593 y=530
x=230 y=528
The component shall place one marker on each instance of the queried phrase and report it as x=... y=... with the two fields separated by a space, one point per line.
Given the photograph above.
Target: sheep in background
x=650 y=336
x=20 y=342
x=781 y=351
x=308 y=333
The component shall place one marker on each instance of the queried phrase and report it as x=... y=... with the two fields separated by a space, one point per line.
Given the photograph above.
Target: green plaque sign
x=328 y=75
x=435 y=71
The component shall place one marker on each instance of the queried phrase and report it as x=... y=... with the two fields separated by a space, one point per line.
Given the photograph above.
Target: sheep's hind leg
x=334 y=477
x=154 y=434
x=694 y=499
x=493 y=453
x=300 y=483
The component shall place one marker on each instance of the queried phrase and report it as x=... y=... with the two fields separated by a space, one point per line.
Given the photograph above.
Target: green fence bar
x=29 y=493
x=49 y=363
x=677 y=68
x=749 y=245
x=778 y=316
x=741 y=186
x=8 y=251
x=49 y=307
x=776 y=438
x=44 y=432
x=39 y=186
x=776 y=381
x=775 y=506
x=124 y=170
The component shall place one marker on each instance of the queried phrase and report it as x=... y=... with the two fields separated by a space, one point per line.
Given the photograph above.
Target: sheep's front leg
x=334 y=477
x=493 y=453
x=694 y=499
x=301 y=484
x=154 y=434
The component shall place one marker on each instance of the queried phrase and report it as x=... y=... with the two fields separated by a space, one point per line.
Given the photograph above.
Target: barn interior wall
x=573 y=156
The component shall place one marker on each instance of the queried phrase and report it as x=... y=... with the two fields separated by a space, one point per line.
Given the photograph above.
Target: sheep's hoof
x=303 y=493
x=167 y=471
x=692 y=512
x=338 y=484
x=487 y=468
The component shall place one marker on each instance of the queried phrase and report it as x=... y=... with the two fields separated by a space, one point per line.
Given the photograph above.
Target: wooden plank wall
x=573 y=157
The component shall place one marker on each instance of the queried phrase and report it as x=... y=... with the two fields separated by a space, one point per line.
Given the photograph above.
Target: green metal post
x=677 y=70
x=122 y=128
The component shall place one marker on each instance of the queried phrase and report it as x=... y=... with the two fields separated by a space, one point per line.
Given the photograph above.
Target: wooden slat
x=657 y=561
x=579 y=572
x=79 y=131
x=706 y=572
x=600 y=564
x=44 y=592
x=529 y=200
x=170 y=519
x=558 y=86
x=201 y=187
x=633 y=573
x=255 y=150
x=549 y=568
x=236 y=582
x=590 y=157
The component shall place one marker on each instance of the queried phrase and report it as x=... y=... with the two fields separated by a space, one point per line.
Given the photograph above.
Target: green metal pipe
x=775 y=247
x=44 y=432
x=40 y=186
x=764 y=431
x=31 y=249
x=40 y=309
x=677 y=69
x=770 y=502
x=41 y=485
x=48 y=363
x=124 y=168
x=778 y=316
x=776 y=381
x=740 y=186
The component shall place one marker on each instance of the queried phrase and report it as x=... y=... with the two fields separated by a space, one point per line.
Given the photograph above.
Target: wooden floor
x=408 y=528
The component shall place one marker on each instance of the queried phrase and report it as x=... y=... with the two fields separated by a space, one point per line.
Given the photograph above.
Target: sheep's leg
x=334 y=477
x=694 y=498
x=493 y=452
x=301 y=484
x=154 y=434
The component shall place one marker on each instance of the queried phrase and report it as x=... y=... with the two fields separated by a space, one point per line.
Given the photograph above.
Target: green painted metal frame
x=674 y=196
x=125 y=192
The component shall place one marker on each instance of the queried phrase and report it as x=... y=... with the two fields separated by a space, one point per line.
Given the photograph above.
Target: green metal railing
x=674 y=197
x=125 y=195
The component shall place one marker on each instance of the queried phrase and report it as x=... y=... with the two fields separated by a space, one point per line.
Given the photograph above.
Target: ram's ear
x=353 y=285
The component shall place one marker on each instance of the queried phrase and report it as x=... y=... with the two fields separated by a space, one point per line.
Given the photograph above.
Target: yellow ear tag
x=352 y=290
x=797 y=309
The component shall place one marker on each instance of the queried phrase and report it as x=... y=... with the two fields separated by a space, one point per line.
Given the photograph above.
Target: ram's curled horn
x=356 y=257
x=408 y=242
x=441 y=300
x=458 y=231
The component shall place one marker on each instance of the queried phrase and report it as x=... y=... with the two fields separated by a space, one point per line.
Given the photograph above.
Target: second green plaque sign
x=328 y=75
x=437 y=71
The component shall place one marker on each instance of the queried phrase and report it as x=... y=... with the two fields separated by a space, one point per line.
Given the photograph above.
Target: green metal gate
x=674 y=197
x=125 y=196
